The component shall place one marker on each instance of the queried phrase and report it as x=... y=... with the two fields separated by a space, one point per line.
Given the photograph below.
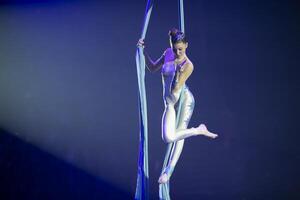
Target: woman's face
x=179 y=49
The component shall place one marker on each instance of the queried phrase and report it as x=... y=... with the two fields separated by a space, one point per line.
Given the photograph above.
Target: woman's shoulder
x=188 y=66
x=167 y=51
x=189 y=62
x=168 y=55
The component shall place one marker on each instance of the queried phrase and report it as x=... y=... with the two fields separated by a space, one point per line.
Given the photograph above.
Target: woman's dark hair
x=177 y=36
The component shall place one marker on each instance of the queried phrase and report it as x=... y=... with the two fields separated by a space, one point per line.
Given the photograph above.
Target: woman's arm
x=152 y=66
x=183 y=75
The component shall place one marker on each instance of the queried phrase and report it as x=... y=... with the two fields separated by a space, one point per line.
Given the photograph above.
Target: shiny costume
x=169 y=131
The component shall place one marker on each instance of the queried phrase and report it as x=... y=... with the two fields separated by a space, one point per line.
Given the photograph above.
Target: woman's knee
x=168 y=138
x=168 y=132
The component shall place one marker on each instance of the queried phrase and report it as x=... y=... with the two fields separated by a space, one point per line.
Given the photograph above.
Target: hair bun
x=173 y=32
x=177 y=36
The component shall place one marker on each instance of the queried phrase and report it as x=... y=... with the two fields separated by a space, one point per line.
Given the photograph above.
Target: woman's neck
x=179 y=60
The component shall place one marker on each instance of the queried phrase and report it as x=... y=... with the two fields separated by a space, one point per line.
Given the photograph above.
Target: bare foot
x=163 y=178
x=202 y=130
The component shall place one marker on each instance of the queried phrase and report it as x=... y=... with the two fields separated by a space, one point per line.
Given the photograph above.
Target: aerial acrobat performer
x=179 y=102
x=175 y=68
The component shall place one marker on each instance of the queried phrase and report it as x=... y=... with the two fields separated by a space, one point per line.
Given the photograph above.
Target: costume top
x=170 y=78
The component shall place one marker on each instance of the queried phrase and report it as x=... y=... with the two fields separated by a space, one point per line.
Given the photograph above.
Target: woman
x=175 y=69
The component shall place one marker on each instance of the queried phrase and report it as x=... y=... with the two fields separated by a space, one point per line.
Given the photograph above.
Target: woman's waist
x=169 y=88
x=184 y=90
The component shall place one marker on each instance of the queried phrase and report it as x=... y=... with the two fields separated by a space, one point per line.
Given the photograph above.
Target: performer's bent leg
x=184 y=116
x=171 y=134
x=186 y=112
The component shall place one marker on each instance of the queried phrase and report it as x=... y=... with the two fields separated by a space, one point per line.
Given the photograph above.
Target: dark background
x=69 y=107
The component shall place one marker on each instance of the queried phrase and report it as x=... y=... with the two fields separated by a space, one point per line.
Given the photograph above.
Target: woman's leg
x=172 y=134
x=184 y=117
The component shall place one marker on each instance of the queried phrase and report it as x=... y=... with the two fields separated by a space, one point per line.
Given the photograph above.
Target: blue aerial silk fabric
x=142 y=187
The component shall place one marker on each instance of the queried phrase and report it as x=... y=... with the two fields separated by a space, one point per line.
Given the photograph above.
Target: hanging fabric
x=142 y=186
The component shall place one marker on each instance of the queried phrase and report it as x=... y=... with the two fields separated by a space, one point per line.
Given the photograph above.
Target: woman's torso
x=170 y=72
